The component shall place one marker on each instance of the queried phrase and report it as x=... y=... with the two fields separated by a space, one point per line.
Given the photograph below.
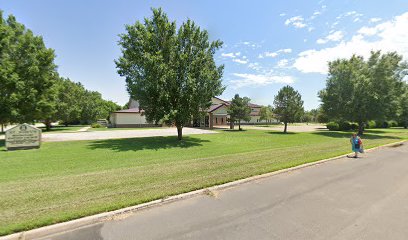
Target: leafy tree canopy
x=288 y=105
x=170 y=71
x=239 y=109
x=358 y=90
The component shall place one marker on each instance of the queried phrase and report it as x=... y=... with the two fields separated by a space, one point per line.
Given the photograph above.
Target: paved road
x=73 y=136
x=364 y=198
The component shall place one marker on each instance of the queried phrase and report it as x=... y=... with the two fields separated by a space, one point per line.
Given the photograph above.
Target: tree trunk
x=286 y=127
x=231 y=124
x=360 y=128
x=239 y=124
x=179 y=132
x=47 y=125
x=2 y=127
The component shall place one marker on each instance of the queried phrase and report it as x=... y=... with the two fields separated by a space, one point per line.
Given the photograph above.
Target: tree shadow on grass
x=234 y=130
x=383 y=131
x=366 y=135
x=151 y=143
x=282 y=133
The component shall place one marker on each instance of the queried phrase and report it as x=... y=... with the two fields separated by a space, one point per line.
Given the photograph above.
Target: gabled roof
x=222 y=100
x=215 y=107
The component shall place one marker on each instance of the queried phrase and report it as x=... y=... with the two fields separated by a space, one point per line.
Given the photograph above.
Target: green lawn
x=67 y=180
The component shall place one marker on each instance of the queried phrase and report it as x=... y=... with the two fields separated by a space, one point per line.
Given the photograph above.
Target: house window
x=222 y=120
x=216 y=121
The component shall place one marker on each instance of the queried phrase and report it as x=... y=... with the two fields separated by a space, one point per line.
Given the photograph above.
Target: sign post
x=23 y=136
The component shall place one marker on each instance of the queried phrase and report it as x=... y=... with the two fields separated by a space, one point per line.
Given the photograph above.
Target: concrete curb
x=86 y=221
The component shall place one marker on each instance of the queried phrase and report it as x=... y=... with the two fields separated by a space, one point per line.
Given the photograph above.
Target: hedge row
x=346 y=125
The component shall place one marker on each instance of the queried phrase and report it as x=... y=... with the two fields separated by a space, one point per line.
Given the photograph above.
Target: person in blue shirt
x=356 y=144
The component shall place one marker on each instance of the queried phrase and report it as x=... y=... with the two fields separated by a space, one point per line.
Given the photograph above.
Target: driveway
x=137 y=133
x=363 y=198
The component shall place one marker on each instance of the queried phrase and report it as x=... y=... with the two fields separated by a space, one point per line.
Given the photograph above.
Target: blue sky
x=267 y=44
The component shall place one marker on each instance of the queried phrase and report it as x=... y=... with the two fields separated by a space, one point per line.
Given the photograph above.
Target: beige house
x=216 y=116
x=128 y=118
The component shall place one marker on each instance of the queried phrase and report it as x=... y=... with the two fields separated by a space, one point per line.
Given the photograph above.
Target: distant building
x=216 y=115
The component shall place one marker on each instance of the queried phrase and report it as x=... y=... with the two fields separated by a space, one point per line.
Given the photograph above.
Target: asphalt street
x=364 y=198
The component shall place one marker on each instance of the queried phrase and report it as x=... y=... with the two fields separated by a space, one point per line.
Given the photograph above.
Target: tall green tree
x=288 y=105
x=266 y=113
x=70 y=101
x=7 y=78
x=239 y=110
x=314 y=114
x=93 y=107
x=403 y=107
x=27 y=75
x=358 y=90
x=172 y=73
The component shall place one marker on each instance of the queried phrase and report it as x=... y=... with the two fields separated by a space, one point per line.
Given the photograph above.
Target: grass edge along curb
x=48 y=231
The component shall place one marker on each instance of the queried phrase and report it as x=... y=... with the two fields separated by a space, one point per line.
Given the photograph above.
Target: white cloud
x=245 y=79
x=282 y=14
x=283 y=63
x=255 y=66
x=317 y=13
x=297 y=22
x=270 y=54
x=240 y=61
x=352 y=14
x=275 y=54
x=333 y=37
x=390 y=36
x=374 y=20
x=228 y=55
x=231 y=55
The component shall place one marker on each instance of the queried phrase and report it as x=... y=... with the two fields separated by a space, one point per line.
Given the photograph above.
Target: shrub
x=96 y=125
x=333 y=126
x=392 y=123
x=354 y=126
x=383 y=124
x=344 y=125
x=371 y=124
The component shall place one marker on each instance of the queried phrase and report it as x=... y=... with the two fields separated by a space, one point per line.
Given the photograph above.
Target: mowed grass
x=68 y=180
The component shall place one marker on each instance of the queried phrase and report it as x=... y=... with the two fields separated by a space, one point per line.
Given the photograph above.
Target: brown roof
x=254 y=105
x=130 y=110
x=226 y=102
x=215 y=107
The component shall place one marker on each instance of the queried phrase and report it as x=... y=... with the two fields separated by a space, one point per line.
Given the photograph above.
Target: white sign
x=23 y=136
